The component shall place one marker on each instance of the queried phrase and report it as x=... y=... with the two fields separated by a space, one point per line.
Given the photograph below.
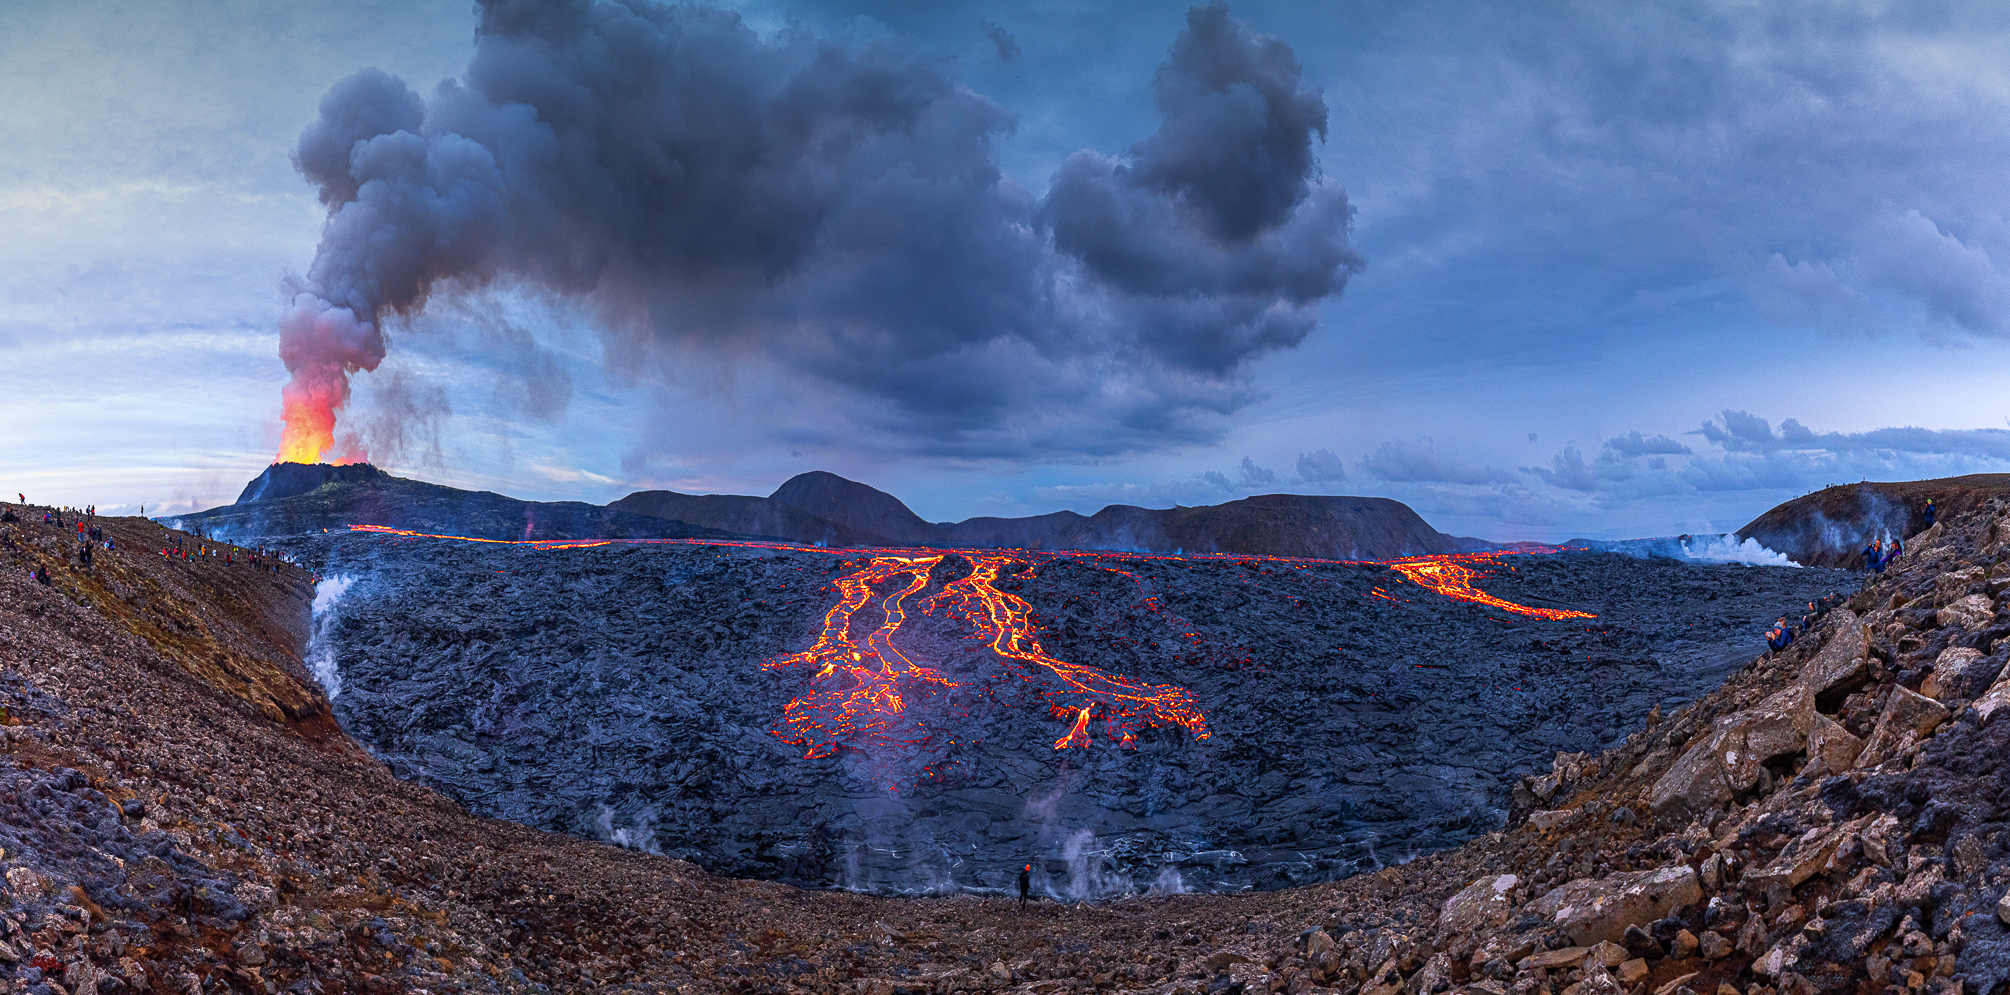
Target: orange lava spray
x=321 y=345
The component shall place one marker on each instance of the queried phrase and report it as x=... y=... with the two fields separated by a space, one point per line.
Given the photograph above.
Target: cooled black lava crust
x=617 y=692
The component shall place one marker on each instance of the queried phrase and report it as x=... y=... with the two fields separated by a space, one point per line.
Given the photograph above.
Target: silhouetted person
x=1025 y=880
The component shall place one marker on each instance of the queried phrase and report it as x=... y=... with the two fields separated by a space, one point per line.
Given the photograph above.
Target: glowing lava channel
x=859 y=690
x=1001 y=619
x=1452 y=575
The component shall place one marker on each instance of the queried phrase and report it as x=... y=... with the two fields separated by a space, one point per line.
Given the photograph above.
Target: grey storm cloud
x=1008 y=47
x=1567 y=470
x=1251 y=476
x=835 y=208
x=1742 y=431
x=1419 y=462
x=1634 y=444
x=1321 y=466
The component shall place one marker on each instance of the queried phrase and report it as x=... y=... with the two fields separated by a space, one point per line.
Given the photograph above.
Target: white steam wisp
x=320 y=649
x=1723 y=549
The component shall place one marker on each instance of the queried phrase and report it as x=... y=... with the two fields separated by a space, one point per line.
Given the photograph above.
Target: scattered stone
x=1971 y=613
x=1685 y=944
x=1550 y=960
x=1833 y=745
x=1589 y=910
x=1953 y=671
x=1633 y=972
x=1906 y=715
x=1732 y=758
x=1220 y=960
x=1642 y=944
x=1713 y=945
x=1675 y=984
x=1840 y=665
x=1484 y=904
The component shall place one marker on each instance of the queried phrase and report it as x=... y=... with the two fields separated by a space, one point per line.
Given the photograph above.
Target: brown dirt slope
x=1829 y=527
x=1834 y=818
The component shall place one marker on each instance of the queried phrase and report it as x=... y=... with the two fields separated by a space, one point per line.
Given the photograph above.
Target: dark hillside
x=862 y=509
x=748 y=515
x=1830 y=527
x=298 y=499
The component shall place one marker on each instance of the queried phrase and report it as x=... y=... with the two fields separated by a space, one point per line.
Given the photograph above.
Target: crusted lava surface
x=618 y=693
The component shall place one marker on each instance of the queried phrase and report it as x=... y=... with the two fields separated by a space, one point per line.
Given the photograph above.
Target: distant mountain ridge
x=845 y=512
x=822 y=508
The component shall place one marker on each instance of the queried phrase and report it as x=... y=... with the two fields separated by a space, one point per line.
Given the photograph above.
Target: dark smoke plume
x=836 y=209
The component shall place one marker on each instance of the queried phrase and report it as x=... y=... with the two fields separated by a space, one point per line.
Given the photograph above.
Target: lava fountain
x=321 y=345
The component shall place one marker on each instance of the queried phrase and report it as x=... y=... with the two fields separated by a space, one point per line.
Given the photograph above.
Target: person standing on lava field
x=1929 y=513
x=1025 y=883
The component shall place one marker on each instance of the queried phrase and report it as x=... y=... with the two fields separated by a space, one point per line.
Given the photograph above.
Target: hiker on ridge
x=1025 y=882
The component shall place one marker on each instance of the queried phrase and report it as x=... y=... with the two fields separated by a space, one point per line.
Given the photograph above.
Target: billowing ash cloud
x=836 y=209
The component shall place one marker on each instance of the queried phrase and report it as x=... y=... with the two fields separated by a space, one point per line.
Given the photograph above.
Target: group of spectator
x=1783 y=632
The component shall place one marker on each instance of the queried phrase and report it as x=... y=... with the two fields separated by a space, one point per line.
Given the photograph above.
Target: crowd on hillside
x=1877 y=555
x=92 y=538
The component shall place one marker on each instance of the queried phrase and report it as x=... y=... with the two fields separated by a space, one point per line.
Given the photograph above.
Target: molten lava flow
x=1453 y=575
x=1001 y=619
x=858 y=690
x=1080 y=729
x=860 y=681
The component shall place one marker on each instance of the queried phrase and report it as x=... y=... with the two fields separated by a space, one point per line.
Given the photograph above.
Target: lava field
x=923 y=721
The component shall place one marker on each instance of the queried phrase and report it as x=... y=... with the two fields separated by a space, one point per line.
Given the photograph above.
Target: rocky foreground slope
x=176 y=816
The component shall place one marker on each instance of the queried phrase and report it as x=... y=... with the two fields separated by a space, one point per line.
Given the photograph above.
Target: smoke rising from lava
x=832 y=208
